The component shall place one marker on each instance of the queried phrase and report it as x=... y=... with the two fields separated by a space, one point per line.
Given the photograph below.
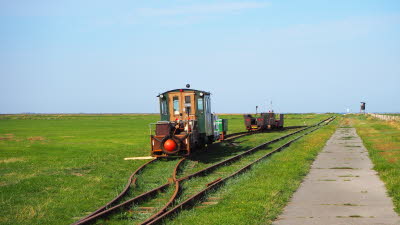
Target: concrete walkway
x=341 y=188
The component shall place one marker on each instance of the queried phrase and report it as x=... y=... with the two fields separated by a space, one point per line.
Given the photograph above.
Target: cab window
x=176 y=105
x=187 y=99
x=208 y=105
x=200 y=105
x=188 y=105
x=163 y=106
x=205 y=105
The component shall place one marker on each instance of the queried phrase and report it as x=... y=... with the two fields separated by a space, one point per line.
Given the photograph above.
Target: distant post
x=362 y=108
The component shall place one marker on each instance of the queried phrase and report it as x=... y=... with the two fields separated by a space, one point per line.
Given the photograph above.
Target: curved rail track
x=163 y=213
x=198 y=197
x=131 y=181
x=173 y=197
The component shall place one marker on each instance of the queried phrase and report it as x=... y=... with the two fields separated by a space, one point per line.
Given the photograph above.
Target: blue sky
x=116 y=56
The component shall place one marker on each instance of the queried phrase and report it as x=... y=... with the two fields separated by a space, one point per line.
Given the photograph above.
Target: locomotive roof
x=184 y=89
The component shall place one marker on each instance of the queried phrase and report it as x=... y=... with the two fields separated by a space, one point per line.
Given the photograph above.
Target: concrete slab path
x=341 y=188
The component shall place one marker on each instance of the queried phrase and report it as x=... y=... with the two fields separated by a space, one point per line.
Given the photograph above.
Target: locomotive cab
x=186 y=123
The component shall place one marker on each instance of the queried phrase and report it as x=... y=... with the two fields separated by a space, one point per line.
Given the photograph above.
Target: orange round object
x=170 y=145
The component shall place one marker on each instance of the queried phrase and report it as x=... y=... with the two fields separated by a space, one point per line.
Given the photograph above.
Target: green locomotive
x=186 y=123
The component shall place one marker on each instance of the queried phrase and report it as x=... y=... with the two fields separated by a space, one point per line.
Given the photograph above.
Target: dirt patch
x=7 y=137
x=394 y=124
x=27 y=213
x=393 y=160
x=80 y=172
x=77 y=174
x=14 y=178
x=371 y=134
x=386 y=146
x=11 y=160
x=391 y=157
x=36 y=138
x=346 y=122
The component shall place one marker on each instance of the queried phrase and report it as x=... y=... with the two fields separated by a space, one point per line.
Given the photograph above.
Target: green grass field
x=57 y=168
x=382 y=139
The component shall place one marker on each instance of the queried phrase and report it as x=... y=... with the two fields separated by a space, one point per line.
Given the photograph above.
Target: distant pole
x=256 y=109
x=272 y=110
x=362 y=107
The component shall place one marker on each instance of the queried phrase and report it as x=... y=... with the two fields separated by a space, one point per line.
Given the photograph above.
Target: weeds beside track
x=160 y=214
x=198 y=197
x=131 y=181
x=133 y=178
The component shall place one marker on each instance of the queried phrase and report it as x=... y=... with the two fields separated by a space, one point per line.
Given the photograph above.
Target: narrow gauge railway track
x=233 y=136
x=163 y=212
x=199 y=196
x=173 y=197
x=132 y=180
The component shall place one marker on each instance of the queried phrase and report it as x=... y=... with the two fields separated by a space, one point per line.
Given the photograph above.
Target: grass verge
x=382 y=139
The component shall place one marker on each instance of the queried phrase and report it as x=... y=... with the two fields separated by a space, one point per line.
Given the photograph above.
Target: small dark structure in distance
x=265 y=121
x=362 y=107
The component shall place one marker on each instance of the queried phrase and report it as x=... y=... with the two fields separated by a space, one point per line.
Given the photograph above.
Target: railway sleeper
x=201 y=196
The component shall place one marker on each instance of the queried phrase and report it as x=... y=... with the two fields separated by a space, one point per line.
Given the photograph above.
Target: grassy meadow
x=54 y=167
x=57 y=168
x=382 y=139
